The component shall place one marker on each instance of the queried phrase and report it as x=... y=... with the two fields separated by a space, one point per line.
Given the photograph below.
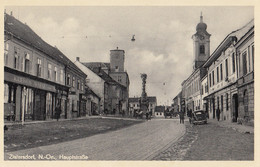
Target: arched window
x=202 y=49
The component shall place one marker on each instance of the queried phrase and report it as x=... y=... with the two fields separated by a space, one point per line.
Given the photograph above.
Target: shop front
x=27 y=97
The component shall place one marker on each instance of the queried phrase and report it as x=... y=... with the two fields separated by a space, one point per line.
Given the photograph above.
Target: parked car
x=198 y=117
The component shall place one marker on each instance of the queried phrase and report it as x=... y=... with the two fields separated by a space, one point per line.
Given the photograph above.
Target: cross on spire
x=201 y=17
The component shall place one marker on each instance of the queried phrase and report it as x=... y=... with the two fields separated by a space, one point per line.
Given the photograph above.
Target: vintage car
x=198 y=117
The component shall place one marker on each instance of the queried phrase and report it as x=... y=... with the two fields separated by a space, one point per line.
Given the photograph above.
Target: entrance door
x=235 y=107
x=40 y=103
x=213 y=108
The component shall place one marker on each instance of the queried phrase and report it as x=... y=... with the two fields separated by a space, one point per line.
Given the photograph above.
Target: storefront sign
x=28 y=82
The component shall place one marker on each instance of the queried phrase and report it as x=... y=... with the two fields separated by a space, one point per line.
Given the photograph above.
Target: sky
x=163 y=48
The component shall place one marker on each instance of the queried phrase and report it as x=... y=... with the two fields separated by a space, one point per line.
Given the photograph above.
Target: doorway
x=40 y=105
x=235 y=107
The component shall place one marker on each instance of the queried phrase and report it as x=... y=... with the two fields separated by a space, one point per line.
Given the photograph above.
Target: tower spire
x=201 y=17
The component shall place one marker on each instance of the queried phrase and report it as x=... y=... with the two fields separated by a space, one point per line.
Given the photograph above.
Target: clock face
x=201 y=37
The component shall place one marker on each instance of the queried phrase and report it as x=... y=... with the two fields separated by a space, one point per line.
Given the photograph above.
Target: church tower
x=117 y=60
x=201 y=44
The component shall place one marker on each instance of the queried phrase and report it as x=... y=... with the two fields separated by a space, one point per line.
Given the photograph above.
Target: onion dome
x=201 y=26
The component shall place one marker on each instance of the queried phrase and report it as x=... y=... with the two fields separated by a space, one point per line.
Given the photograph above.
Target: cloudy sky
x=163 y=48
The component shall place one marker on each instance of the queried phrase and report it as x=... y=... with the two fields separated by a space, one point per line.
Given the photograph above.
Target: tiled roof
x=101 y=73
x=97 y=64
x=24 y=33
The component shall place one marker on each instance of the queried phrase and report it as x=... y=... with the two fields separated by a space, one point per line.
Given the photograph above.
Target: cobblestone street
x=210 y=142
x=138 y=142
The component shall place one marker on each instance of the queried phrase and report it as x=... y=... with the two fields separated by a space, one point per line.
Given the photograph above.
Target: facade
x=113 y=88
x=222 y=77
x=177 y=103
x=93 y=102
x=134 y=104
x=204 y=93
x=115 y=95
x=34 y=75
x=191 y=86
x=77 y=100
x=96 y=84
x=159 y=111
x=245 y=84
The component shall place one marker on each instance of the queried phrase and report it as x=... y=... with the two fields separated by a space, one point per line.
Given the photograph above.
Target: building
x=191 y=86
x=93 y=102
x=222 y=77
x=177 y=103
x=34 y=75
x=134 y=104
x=159 y=111
x=115 y=94
x=96 y=84
x=204 y=93
x=245 y=69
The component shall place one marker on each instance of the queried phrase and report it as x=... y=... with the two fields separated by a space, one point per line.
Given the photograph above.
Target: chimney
x=11 y=13
x=77 y=59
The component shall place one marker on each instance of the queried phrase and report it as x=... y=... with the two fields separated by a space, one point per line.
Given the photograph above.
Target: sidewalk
x=233 y=125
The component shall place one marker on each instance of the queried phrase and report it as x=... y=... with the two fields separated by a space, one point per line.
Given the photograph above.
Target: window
x=73 y=82
x=202 y=90
x=119 y=79
x=253 y=55
x=226 y=101
x=202 y=49
x=213 y=82
x=6 y=53
x=233 y=63
x=78 y=84
x=226 y=62
x=68 y=79
x=209 y=80
x=221 y=72
x=61 y=75
x=82 y=86
x=6 y=93
x=49 y=71
x=217 y=74
x=26 y=62
x=39 y=67
x=55 y=74
x=244 y=61
x=249 y=65
x=16 y=62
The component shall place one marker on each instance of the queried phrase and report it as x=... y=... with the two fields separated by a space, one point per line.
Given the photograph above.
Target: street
x=138 y=142
x=210 y=142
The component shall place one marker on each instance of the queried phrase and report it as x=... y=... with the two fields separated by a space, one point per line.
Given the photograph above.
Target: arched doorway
x=235 y=107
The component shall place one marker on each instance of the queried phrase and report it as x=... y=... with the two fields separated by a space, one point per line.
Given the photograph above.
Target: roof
x=159 y=109
x=136 y=99
x=101 y=73
x=231 y=37
x=24 y=33
x=89 y=91
x=96 y=64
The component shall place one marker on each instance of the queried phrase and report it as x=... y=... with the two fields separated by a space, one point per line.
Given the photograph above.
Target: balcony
x=245 y=79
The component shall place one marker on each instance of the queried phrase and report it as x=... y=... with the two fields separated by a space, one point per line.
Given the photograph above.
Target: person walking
x=181 y=114
x=218 y=114
x=57 y=112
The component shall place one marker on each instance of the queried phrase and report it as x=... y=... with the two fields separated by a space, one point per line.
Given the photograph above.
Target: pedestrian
x=57 y=111
x=181 y=114
x=189 y=112
x=147 y=115
x=218 y=114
